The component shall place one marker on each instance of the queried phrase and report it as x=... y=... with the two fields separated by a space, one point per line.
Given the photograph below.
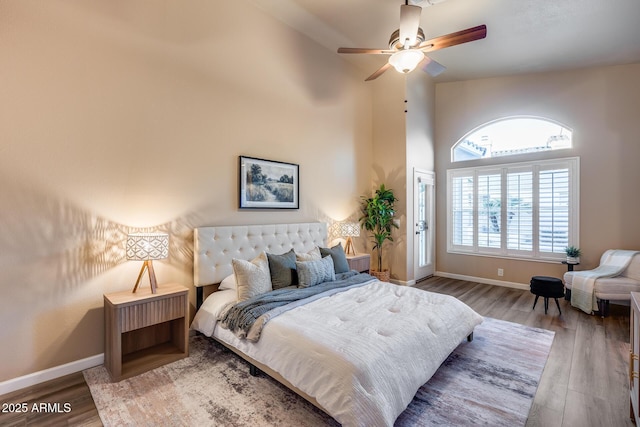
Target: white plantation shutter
x=519 y=210
x=524 y=210
x=489 y=204
x=461 y=199
x=553 y=209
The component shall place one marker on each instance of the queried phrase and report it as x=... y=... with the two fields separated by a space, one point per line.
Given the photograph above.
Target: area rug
x=489 y=381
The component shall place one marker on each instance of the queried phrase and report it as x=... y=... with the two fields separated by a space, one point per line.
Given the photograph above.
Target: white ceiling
x=523 y=36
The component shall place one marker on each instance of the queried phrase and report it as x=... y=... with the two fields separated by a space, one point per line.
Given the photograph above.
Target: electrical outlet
x=500 y=272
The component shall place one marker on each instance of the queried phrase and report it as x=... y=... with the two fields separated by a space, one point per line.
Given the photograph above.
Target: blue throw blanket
x=246 y=318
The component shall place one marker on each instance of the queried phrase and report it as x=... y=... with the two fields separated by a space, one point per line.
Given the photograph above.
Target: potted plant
x=573 y=254
x=377 y=217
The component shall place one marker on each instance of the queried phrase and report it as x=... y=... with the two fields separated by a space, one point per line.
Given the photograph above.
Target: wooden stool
x=547 y=287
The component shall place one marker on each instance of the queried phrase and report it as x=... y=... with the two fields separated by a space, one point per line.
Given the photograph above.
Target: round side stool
x=547 y=287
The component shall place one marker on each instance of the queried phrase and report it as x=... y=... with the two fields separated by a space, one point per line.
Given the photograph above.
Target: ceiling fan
x=407 y=46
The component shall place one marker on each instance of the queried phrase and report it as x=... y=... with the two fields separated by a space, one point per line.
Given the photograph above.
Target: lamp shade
x=147 y=246
x=349 y=229
x=405 y=61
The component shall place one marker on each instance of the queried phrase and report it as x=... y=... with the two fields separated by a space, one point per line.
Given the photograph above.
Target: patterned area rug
x=491 y=380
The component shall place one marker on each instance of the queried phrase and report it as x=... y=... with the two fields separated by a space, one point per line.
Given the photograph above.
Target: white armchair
x=616 y=288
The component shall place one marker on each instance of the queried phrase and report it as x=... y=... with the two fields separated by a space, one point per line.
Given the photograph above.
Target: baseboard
x=50 y=374
x=523 y=286
x=403 y=282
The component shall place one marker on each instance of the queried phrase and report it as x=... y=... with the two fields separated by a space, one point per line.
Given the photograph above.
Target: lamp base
x=148 y=265
x=349 y=249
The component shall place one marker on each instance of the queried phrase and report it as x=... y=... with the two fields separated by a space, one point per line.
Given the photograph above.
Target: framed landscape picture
x=267 y=184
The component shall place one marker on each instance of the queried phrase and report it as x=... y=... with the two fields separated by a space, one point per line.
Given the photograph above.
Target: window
x=523 y=210
x=513 y=135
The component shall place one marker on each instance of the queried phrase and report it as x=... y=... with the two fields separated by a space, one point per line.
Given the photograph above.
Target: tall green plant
x=377 y=217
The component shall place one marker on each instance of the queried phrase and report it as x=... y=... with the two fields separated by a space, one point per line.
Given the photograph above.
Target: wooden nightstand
x=361 y=263
x=145 y=330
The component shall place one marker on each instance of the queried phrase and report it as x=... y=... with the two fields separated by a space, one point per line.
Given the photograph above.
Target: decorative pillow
x=339 y=258
x=282 y=269
x=313 y=254
x=311 y=273
x=252 y=277
x=228 y=282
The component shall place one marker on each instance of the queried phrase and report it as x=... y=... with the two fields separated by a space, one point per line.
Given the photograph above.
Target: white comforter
x=362 y=353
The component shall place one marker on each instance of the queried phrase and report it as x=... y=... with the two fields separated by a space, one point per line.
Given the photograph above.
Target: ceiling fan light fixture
x=405 y=61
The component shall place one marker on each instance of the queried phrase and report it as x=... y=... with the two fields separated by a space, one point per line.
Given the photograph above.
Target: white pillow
x=252 y=277
x=229 y=282
x=312 y=255
x=206 y=317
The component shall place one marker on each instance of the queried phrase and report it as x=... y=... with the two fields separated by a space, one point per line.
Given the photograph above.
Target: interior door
x=424 y=228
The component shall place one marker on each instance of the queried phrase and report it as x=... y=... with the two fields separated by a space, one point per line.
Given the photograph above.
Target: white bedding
x=362 y=353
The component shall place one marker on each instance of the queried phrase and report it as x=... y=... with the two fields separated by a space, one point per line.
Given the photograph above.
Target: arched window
x=512 y=135
x=526 y=210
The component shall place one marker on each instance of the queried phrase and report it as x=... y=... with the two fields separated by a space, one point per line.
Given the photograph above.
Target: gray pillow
x=339 y=258
x=283 y=269
x=311 y=273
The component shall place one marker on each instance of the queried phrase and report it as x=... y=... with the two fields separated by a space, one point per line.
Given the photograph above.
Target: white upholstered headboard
x=215 y=247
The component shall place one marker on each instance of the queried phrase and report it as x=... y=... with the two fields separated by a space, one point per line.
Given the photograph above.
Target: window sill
x=548 y=260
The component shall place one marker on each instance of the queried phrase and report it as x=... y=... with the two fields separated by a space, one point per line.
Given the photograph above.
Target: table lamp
x=349 y=230
x=147 y=247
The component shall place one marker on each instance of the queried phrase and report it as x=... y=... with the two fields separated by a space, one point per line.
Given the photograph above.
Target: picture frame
x=268 y=184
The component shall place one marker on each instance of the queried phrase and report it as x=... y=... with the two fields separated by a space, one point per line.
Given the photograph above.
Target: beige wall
x=389 y=158
x=420 y=148
x=403 y=139
x=601 y=105
x=126 y=114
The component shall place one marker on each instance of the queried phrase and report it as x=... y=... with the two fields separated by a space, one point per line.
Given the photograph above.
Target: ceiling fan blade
x=409 y=23
x=364 y=50
x=453 y=39
x=378 y=72
x=431 y=67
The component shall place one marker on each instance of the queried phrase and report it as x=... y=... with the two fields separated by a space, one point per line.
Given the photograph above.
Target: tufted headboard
x=215 y=247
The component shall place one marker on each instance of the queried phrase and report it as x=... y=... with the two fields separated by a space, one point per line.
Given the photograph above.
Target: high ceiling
x=523 y=36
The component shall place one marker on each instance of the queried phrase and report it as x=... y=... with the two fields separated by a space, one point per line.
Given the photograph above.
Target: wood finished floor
x=70 y=389
x=584 y=382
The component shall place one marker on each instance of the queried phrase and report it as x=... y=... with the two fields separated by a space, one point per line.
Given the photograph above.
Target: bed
x=358 y=353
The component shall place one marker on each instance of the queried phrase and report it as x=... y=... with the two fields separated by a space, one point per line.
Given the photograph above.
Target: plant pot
x=383 y=276
x=573 y=260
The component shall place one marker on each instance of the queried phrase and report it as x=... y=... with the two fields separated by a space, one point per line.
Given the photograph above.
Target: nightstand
x=360 y=262
x=144 y=331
